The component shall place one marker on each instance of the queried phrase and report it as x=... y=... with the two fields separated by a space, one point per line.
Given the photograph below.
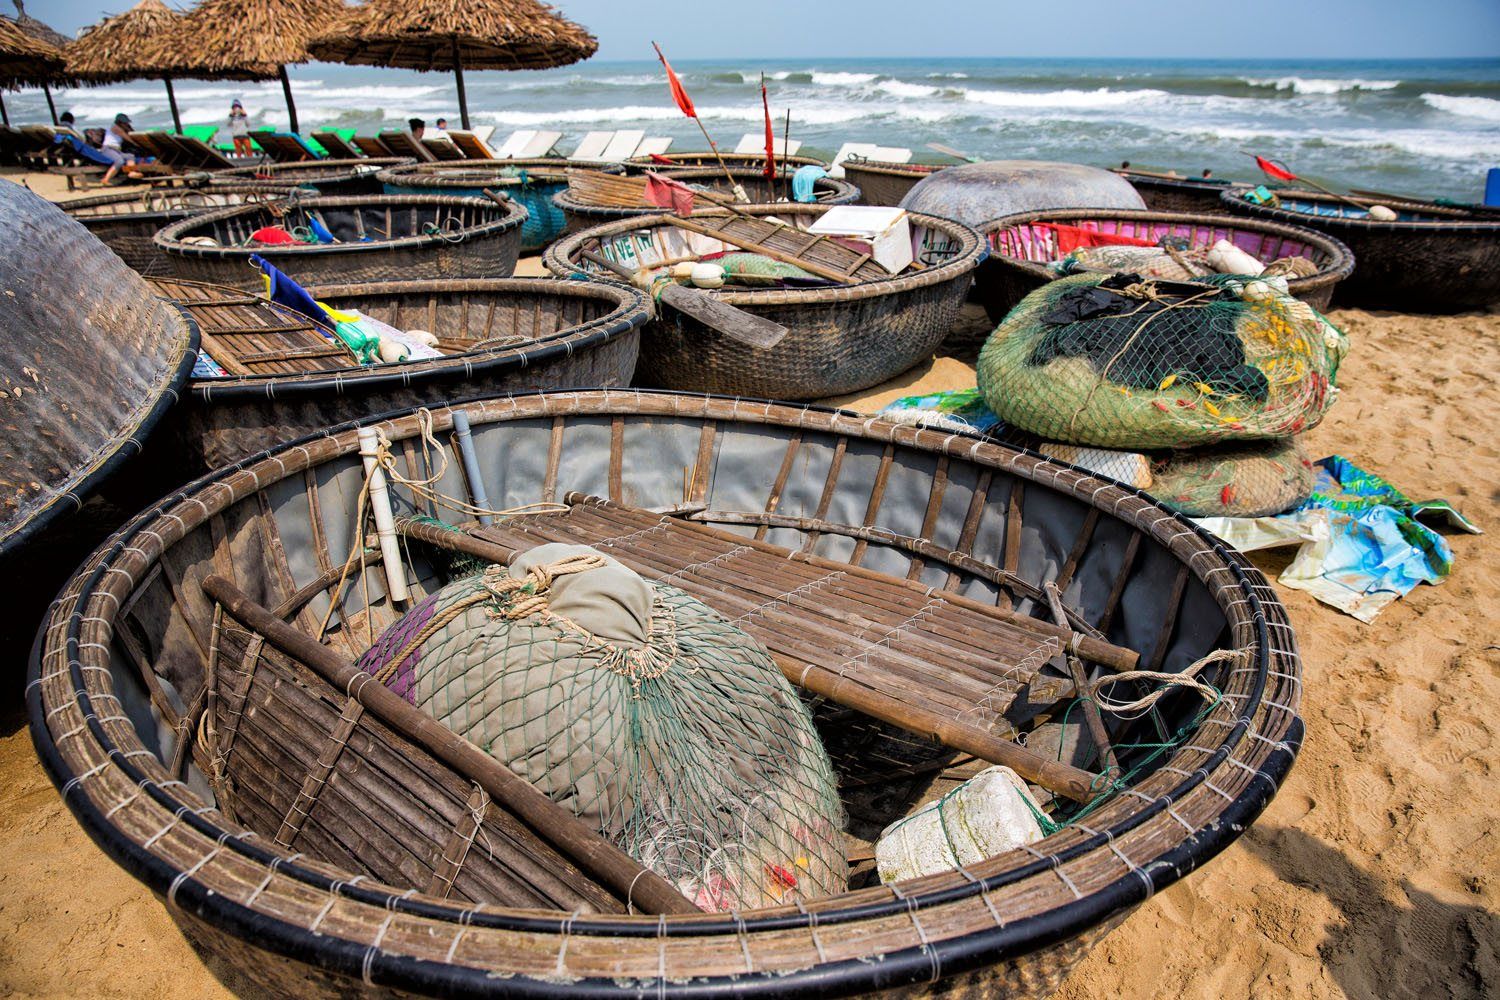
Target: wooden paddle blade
x=938 y=147
x=734 y=323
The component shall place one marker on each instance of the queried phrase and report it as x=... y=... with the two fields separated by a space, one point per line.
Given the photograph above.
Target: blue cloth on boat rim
x=804 y=182
x=290 y=294
x=319 y=230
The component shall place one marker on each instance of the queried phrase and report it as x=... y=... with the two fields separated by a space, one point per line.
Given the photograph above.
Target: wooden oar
x=556 y=826
x=732 y=322
x=810 y=267
x=938 y=147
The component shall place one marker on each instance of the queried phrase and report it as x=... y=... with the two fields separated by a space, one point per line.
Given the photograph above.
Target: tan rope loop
x=1187 y=678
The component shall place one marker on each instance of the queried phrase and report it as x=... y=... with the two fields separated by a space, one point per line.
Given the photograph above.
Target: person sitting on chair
x=416 y=127
x=113 y=148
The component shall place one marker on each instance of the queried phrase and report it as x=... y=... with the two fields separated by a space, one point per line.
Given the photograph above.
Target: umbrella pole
x=172 y=100
x=4 y=115
x=458 y=75
x=286 y=88
x=50 y=106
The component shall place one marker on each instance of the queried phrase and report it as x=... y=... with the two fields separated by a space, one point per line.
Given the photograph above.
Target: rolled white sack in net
x=986 y=815
x=1226 y=258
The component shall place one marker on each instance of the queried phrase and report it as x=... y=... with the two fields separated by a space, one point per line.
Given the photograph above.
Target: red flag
x=664 y=192
x=1274 y=170
x=679 y=95
x=770 y=136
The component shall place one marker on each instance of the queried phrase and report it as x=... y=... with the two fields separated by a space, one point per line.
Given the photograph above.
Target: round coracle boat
x=195 y=694
x=92 y=361
x=1167 y=193
x=281 y=375
x=842 y=336
x=529 y=182
x=594 y=198
x=1022 y=246
x=127 y=221
x=1430 y=258
x=974 y=193
x=703 y=158
x=883 y=183
x=376 y=238
x=330 y=177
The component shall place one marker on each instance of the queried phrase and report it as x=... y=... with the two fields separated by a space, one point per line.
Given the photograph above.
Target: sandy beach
x=1373 y=873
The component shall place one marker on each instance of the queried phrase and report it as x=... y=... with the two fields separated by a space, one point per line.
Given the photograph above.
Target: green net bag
x=638 y=708
x=1255 y=479
x=1122 y=362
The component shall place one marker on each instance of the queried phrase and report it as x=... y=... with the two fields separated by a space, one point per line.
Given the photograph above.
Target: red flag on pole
x=1274 y=170
x=765 y=105
x=678 y=94
x=664 y=192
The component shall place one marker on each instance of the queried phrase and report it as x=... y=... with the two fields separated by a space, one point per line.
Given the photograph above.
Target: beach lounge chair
x=527 y=144
x=336 y=146
x=402 y=144
x=486 y=133
x=591 y=149
x=752 y=144
x=470 y=145
x=372 y=146
x=443 y=148
x=162 y=152
x=285 y=147
x=200 y=154
x=867 y=151
x=623 y=145
x=654 y=146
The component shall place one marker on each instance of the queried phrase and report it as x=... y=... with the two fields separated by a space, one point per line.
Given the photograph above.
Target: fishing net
x=640 y=710
x=754 y=268
x=1255 y=479
x=1126 y=362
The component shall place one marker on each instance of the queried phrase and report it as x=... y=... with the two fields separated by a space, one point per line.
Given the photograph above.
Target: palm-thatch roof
x=454 y=34
x=26 y=61
x=255 y=37
x=148 y=40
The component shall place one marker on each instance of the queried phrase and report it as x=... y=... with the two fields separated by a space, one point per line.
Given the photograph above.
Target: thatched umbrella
x=430 y=35
x=54 y=42
x=256 y=39
x=145 y=41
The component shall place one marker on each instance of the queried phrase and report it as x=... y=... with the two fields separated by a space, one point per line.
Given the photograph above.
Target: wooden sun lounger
x=755 y=144
x=948 y=667
x=402 y=144
x=199 y=153
x=337 y=148
x=654 y=146
x=471 y=146
x=443 y=148
x=284 y=148
x=371 y=146
x=527 y=144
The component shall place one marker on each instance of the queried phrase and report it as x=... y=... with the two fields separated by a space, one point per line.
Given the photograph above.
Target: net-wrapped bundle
x=638 y=708
x=1126 y=362
x=1255 y=479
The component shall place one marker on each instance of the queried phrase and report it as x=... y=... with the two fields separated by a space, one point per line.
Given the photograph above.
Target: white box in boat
x=882 y=232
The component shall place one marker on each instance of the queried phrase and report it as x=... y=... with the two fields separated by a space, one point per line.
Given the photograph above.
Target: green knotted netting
x=641 y=710
x=1121 y=362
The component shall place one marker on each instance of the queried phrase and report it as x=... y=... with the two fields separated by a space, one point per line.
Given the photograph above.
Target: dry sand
x=1375 y=873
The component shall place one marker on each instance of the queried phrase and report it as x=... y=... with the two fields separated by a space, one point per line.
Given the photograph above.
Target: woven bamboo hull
x=1436 y=266
x=1006 y=277
x=883 y=184
x=580 y=215
x=1187 y=195
x=839 y=339
x=486 y=245
x=735 y=161
x=332 y=178
x=342 y=902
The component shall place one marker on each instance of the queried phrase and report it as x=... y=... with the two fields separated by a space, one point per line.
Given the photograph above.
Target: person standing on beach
x=239 y=129
x=113 y=148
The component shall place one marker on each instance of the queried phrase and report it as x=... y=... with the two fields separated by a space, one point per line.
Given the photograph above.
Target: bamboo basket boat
x=581 y=212
x=530 y=182
x=287 y=378
x=1021 y=246
x=841 y=338
x=1194 y=195
x=92 y=361
x=882 y=183
x=331 y=177
x=127 y=221
x=1432 y=258
x=703 y=158
x=317 y=840
x=385 y=238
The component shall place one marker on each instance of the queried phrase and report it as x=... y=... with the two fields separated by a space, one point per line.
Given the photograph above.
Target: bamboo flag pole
x=786 y=145
x=685 y=105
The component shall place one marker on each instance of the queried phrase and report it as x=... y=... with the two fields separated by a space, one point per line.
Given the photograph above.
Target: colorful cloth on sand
x=1364 y=543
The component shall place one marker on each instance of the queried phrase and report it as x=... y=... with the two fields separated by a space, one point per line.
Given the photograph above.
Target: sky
x=1313 y=29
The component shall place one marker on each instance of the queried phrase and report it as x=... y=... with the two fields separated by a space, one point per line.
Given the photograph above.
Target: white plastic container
x=985 y=816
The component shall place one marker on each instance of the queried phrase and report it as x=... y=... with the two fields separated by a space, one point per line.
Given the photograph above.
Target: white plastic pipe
x=385 y=522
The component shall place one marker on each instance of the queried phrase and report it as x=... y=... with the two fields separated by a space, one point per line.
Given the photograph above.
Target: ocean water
x=1407 y=126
